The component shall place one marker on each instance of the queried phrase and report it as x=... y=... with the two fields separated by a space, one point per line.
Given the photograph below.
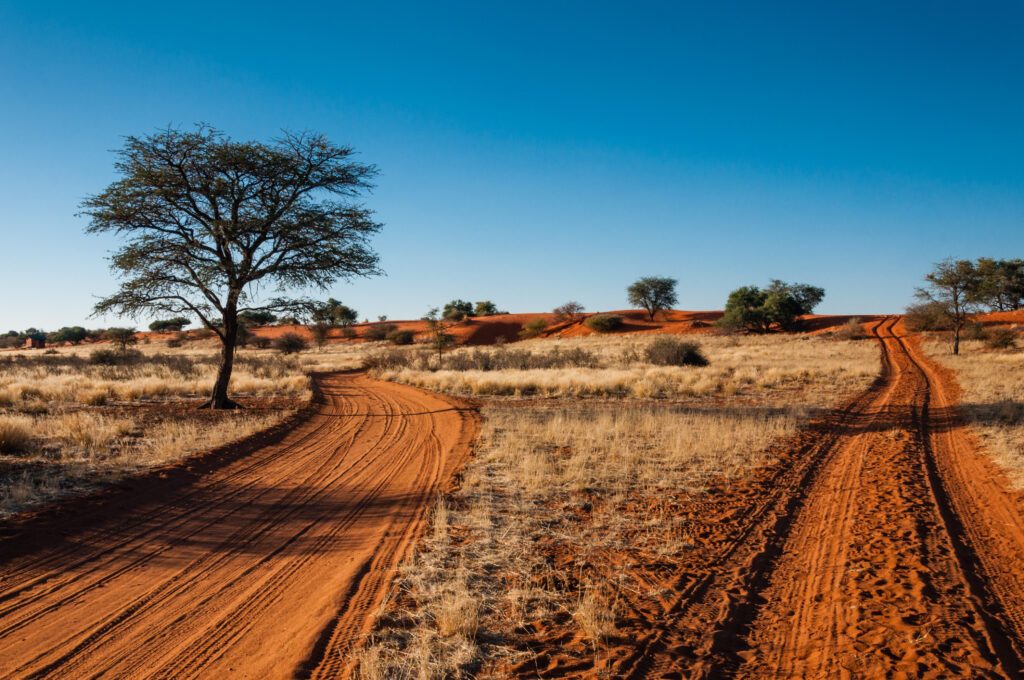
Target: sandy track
x=886 y=547
x=262 y=565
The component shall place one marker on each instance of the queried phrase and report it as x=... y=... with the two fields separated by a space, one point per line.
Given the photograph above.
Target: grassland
x=599 y=477
x=74 y=420
x=992 y=384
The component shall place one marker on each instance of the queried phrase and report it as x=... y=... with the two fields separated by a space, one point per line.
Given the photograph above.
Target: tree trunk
x=956 y=340
x=219 y=397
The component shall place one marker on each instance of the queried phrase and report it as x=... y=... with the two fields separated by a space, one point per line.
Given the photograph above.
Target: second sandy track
x=268 y=565
x=883 y=545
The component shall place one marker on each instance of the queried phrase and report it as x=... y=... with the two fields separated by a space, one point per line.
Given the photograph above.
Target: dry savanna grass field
x=605 y=481
x=592 y=479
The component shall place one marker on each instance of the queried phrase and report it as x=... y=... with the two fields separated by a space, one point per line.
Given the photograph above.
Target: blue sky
x=536 y=152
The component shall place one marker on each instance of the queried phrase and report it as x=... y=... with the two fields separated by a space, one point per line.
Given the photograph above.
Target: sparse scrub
x=290 y=343
x=1001 y=338
x=533 y=329
x=401 y=337
x=852 y=330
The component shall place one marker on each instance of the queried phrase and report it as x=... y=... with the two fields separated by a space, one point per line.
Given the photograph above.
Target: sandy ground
x=264 y=562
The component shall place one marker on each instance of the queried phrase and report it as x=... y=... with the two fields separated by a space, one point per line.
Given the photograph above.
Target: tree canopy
x=213 y=228
x=780 y=304
x=952 y=286
x=653 y=293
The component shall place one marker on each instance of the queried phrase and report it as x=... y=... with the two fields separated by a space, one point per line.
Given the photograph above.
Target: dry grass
x=992 y=383
x=71 y=379
x=594 y=480
x=739 y=365
x=68 y=424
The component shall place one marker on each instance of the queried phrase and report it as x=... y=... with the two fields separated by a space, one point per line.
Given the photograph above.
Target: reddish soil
x=881 y=544
x=261 y=561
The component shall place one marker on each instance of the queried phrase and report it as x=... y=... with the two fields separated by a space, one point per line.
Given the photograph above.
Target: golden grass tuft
x=15 y=434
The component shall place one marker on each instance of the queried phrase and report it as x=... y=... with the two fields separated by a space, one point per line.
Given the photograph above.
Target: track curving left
x=269 y=564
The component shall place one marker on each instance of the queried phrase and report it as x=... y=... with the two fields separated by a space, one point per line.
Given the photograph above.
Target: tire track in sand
x=257 y=570
x=904 y=558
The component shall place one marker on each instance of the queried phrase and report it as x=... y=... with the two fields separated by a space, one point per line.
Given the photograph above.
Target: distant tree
x=745 y=309
x=334 y=313
x=245 y=336
x=952 y=284
x=457 y=310
x=34 y=334
x=174 y=325
x=999 y=284
x=485 y=308
x=208 y=221
x=653 y=293
x=570 y=311
x=72 y=334
x=785 y=302
x=780 y=304
x=382 y=318
x=257 y=318
x=121 y=338
x=320 y=333
x=440 y=338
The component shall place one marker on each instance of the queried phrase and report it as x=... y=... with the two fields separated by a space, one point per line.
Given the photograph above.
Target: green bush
x=400 y=337
x=604 y=323
x=261 y=342
x=665 y=351
x=290 y=343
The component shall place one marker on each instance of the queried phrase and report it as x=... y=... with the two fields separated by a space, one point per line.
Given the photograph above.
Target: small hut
x=35 y=343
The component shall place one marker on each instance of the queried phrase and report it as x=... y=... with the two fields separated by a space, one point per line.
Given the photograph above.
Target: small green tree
x=290 y=343
x=121 y=338
x=570 y=311
x=485 y=308
x=780 y=304
x=174 y=325
x=952 y=286
x=653 y=293
x=257 y=318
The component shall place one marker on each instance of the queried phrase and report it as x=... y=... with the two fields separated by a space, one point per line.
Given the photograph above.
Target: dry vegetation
x=992 y=383
x=568 y=503
x=73 y=420
x=615 y=367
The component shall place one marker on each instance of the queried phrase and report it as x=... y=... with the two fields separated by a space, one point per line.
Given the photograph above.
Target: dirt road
x=886 y=547
x=259 y=564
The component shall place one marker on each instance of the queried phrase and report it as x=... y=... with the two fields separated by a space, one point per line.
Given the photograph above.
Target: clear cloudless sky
x=536 y=152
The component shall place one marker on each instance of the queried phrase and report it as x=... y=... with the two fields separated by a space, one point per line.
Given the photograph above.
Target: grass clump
x=666 y=351
x=15 y=434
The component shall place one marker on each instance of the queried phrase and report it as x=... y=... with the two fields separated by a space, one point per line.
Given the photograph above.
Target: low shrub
x=604 y=323
x=852 y=330
x=175 y=342
x=398 y=337
x=290 y=343
x=665 y=351
x=1001 y=338
x=533 y=329
x=389 y=360
x=261 y=342
x=379 y=331
x=110 y=357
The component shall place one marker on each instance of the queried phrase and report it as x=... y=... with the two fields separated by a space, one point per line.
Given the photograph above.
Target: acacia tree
x=653 y=293
x=951 y=284
x=207 y=220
